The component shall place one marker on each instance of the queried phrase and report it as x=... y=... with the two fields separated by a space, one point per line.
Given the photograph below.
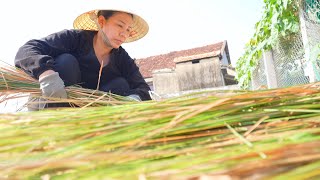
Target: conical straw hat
x=85 y=21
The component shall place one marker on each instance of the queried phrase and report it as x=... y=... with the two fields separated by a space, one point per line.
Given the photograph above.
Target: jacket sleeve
x=37 y=55
x=136 y=82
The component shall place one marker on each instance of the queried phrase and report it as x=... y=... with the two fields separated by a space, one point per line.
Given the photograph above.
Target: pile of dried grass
x=261 y=134
x=15 y=83
x=229 y=135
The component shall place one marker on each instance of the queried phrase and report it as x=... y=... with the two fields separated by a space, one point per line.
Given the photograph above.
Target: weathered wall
x=205 y=73
x=191 y=75
x=165 y=81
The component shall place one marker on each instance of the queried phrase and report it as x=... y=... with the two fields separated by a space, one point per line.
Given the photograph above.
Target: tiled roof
x=163 y=61
x=197 y=56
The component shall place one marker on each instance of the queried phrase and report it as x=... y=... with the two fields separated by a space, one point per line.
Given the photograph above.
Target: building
x=197 y=68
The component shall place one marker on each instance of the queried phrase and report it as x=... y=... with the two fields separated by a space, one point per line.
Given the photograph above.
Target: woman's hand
x=134 y=97
x=52 y=85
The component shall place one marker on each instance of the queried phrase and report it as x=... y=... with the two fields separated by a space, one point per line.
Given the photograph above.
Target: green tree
x=280 y=18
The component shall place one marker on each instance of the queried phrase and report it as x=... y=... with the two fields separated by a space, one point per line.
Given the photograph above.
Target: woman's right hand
x=52 y=85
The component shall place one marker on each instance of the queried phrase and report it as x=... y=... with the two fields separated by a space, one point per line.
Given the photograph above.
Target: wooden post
x=270 y=70
x=308 y=70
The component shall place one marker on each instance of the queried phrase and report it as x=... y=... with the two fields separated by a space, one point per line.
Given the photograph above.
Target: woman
x=89 y=55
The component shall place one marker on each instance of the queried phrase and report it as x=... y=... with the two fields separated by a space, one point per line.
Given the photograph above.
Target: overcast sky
x=174 y=24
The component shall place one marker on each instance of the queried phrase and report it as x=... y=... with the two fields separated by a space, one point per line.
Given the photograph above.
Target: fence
x=294 y=60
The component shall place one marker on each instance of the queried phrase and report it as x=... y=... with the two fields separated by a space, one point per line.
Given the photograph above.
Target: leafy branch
x=280 y=18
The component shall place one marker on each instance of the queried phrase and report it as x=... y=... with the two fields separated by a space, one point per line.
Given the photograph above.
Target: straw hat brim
x=139 y=27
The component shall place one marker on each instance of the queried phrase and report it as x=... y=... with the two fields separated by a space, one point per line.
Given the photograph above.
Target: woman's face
x=118 y=28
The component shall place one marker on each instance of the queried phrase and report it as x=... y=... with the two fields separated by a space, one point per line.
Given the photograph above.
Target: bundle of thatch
x=262 y=134
x=15 y=83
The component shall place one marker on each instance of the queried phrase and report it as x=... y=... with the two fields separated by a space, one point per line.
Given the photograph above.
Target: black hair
x=108 y=13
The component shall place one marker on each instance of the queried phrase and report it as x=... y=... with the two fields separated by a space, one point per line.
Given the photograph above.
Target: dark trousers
x=68 y=68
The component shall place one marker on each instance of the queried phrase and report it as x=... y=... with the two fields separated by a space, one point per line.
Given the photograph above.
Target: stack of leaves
x=255 y=135
x=15 y=83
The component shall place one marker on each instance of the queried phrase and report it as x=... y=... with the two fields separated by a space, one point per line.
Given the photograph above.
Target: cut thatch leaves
x=15 y=83
x=242 y=135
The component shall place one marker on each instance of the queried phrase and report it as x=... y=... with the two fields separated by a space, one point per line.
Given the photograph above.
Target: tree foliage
x=279 y=19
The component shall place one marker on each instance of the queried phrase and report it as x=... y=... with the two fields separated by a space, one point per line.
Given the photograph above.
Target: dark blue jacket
x=37 y=56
